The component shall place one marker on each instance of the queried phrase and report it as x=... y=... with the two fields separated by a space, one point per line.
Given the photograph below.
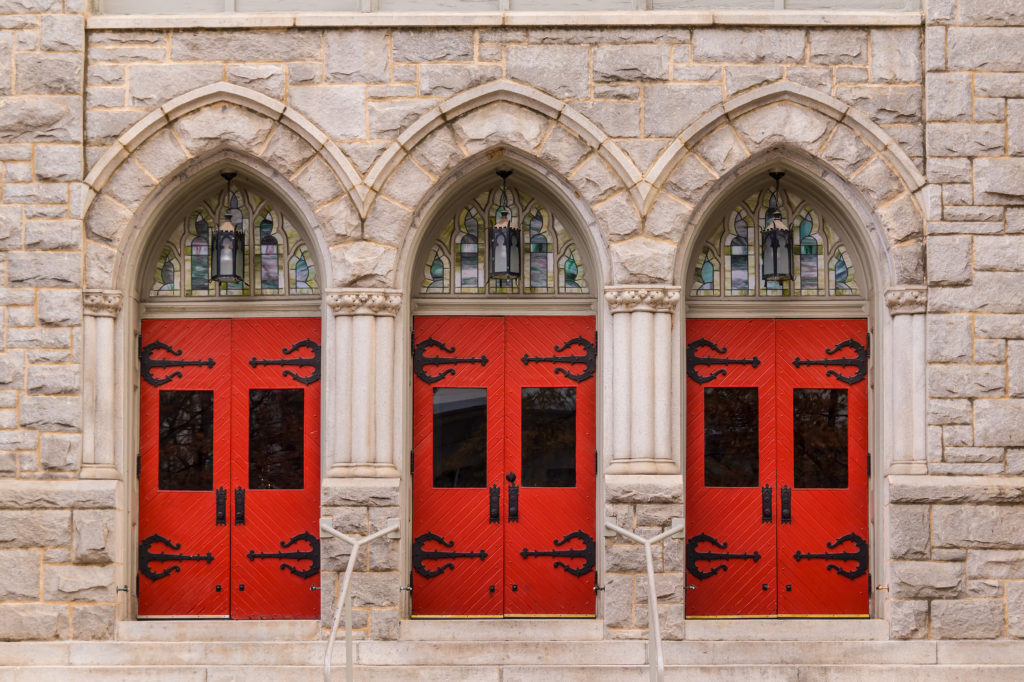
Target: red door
x=230 y=468
x=503 y=479
x=776 y=468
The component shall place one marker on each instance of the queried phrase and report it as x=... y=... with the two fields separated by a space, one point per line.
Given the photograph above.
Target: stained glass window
x=458 y=261
x=729 y=263
x=273 y=248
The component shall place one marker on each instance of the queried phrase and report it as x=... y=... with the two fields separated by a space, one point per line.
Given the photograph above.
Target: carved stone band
x=642 y=299
x=379 y=302
x=907 y=300
x=101 y=303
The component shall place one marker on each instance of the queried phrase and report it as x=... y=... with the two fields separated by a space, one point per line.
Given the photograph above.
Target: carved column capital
x=907 y=300
x=101 y=303
x=653 y=299
x=378 y=302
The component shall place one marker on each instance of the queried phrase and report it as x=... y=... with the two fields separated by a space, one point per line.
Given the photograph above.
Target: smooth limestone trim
x=102 y=22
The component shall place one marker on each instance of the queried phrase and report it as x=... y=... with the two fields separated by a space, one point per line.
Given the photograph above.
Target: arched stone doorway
x=504 y=400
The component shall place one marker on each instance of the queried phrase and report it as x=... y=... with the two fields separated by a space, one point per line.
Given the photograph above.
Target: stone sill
x=760 y=19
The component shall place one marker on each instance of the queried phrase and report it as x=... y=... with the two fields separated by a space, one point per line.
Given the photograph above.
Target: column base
x=362 y=470
x=105 y=472
x=913 y=468
x=642 y=466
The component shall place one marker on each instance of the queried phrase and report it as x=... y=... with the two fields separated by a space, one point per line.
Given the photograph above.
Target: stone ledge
x=58 y=494
x=956 y=489
x=470 y=19
x=644 y=488
x=360 y=492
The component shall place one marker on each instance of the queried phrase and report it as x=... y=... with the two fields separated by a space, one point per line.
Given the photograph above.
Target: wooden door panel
x=552 y=509
x=731 y=565
x=452 y=513
x=279 y=474
x=175 y=522
x=826 y=509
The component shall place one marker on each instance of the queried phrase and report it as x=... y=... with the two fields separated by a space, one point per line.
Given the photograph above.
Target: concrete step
x=501 y=653
x=217 y=630
x=500 y=629
x=785 y=629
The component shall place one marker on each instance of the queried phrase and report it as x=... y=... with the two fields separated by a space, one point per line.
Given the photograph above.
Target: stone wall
x=957 y=553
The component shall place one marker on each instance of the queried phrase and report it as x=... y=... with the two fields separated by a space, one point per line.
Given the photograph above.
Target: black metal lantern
x=776 y=242
x=229 y=242
x=505 y=239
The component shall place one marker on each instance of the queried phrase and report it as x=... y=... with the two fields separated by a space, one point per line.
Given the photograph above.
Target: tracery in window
x=458 y=260
x=729 y=263
x=278 y=262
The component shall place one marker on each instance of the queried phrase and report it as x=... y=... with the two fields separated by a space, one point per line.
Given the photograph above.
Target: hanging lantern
x=505 y=239
x=776 y=242
x=229 y=242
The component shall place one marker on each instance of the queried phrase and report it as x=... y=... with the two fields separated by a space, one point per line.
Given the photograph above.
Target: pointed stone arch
x=817 y=136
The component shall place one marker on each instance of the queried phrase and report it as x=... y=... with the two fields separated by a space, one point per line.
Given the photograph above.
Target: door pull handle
x=513 y=498
x=222 y=506
x=239 y=506
x=766 y=504
x=495 y=504
x=785 y=494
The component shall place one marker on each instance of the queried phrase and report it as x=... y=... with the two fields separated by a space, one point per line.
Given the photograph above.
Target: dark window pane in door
x=186 y=440
x=820 y=423
x=549 y=437
x=460 y=437
x=275 y=438
x=730 y=437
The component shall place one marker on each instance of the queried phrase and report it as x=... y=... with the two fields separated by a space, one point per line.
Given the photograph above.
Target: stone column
x=99 y=382
x=905 y=394
x=641 y=369
x=361 y=423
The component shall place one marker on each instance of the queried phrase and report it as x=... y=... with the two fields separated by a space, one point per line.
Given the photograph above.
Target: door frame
x=867 y=308
x=588 y=306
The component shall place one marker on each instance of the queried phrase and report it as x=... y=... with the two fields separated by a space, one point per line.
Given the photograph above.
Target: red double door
x=229 y=468
x=777 y=468
x=503 y=466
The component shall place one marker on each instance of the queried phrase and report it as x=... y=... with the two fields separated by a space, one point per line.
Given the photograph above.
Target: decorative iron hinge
x=860 y=361
x=312 y=555
x=138 y=465
x=419 y=555
x=869 y=465
x=588 y=359
x=860 y=556
x=692 y=360
x=420 y=360
x=146 y=556
x=587 y=553
x=412 y=462
x=693 y=556
x=313 y=362
x=868 y=341
x=149 y=364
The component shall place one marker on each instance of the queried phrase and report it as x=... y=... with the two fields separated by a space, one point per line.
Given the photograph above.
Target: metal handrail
x=345 y=599
x=655 y=657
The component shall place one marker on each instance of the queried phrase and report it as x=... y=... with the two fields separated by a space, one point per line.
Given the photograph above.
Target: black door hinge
x=869 y=345
x=138 y=350
x=595 y=461
x=412 y=462
x=136 y=583
x=412 y=342
x=869 y=465
x=138 y=465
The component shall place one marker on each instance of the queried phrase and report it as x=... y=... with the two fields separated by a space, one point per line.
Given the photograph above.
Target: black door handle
x=239 y=506
x=787 y=508
x=222 y=506
x=766 y=504
x=495 y=506
x=513 y=497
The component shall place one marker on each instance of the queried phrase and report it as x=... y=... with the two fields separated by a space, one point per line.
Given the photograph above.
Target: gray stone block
x=35 y=528
x=999 y=422
x=59 y=162
x=27 y=622
x=78 y=583
x=432 y=45
x=560 y=70
x=562 y=149
x=41 y=119
x=927 y=579
x=93 y=536
x=895 y=55
x=949 y=260
x=21 y=570
x=388 y=119
x=47 y=269
x=985 y=49
x=224 y=125
x=375 y=589
x=967 y=381
x=93 y=622
x=265 y=78
x=50 y=380
x=48 y=74
x=444 y=80
x=669 y=108
x=745 y=45
x=967 y=619
x=978 y=526
x=62 y=32
x=631 y=63
x=908 y=619
x=884 y=104
x=908 y=531
x=617 y=119
x=60 y=452
x=337 y=109
x=965 y=139
x=363 y=264
x=740 y=78
x=782 y=124
x=245 y=45
x=948 y=97
x=838 y=46
x=47 y=413
x=356 y=57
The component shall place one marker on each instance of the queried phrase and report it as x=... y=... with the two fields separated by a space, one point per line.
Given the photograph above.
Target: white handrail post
x=655 y=656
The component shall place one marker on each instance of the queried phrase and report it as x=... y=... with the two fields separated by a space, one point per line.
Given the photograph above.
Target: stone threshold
x=609 y=19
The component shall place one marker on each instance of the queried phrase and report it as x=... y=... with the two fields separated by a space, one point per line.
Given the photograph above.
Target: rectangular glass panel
x=730 y=437
x=820 y=422
x=275 y=438
x=186 y=440
x=549 y=437
x=460 y=437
